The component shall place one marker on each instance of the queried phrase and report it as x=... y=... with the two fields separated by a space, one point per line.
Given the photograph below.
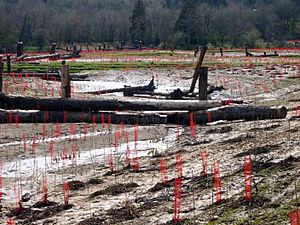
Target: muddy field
x=104 y=189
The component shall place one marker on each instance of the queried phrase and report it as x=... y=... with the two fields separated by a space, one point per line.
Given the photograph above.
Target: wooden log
x=65 y=81
x=230 y=113
x=79 y=105
x=196 y=72
x=203 y=72
x=78 y=117
x=128 y=91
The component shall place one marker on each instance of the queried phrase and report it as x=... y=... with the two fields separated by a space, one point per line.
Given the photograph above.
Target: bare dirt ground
x=99 y=195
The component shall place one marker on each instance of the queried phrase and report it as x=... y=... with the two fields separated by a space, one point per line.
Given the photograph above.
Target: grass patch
x=76 y=67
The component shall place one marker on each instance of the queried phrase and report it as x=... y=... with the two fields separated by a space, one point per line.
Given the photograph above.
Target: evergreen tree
x=187 y=22
x=138 y=21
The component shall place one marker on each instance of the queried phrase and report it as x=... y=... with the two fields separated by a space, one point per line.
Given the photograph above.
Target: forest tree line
x=165 y=23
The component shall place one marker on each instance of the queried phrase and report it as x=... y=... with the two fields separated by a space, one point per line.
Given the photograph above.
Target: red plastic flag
x=294 y=217
x=163 y=171
x=66 y=192
x=51 y=150
x=24 y=140
x=46 y=116
x=208 y=117
x=64 y=156
x=65 y=116
x=10 y=221
x=247 y=175
x=94 y=123
x=177 y=199
x=57 y=126
x=179 y=165
x=33 y=144
x=111 y=163
x=192 y=125
x=265 y=87
x=44 y=189
x=178 y=132
x=204 y=162
x=72 y=134
x=217 y=182
x=44 y=131
x=74 y=151
x=17 y=199
x=136 y=166
x=127 y=150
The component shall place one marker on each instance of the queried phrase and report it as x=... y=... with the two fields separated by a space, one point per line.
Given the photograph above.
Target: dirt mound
x=159 y=187
x=127 y=212
x=115 y=189
x=93 y=221
x=258 y=150
x=219 y=130
x=30 y=215
x=75 y=185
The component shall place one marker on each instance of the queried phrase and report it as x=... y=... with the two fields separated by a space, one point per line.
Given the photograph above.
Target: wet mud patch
x=94 y=181
x=237 y=139
x=29 y=215
x=160 y=186
x=42 y=204
x=93 y=221
x=180 y=222
x=284 y=165
x=127 y=212
x=220 y=130
x=200 y=182
x=197 y=142
x=266 y=128
x=115 y=189
x=8 y=139
x=258 y=150
x=257 y=201
x=76 y=185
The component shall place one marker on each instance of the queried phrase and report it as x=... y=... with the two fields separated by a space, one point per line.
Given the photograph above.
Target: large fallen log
x=79 y=105
x=229 y=113
x=128 y=91
x=77 y=117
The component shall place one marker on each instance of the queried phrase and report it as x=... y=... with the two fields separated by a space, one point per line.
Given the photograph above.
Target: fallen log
x=77 y=117
x=229 y=113
x=80 y=105
x=128 y=91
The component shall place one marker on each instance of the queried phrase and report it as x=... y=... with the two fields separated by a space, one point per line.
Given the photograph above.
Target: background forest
x=165 y=23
